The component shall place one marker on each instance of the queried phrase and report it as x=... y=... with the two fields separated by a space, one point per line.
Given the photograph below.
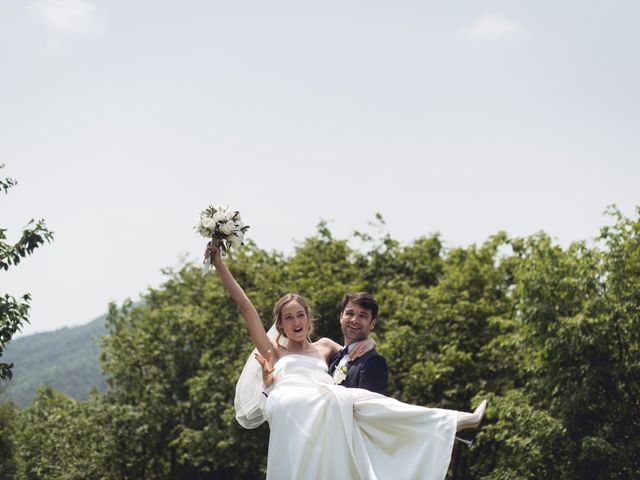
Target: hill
x=67 y=359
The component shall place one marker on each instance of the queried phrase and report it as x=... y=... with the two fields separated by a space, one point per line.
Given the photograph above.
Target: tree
x=8 y=414
x=14 y=312
x=57 y=437
x=548 y=334
x=173 y=359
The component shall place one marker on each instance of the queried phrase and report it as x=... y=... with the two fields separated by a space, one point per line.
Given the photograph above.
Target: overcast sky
x=122 y=120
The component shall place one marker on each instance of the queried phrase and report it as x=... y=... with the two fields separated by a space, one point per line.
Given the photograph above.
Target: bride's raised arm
x=248 y=311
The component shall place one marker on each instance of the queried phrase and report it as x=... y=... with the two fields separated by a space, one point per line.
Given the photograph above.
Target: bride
x=319 y=430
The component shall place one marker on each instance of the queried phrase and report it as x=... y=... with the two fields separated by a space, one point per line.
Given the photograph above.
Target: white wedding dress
x=324 y=431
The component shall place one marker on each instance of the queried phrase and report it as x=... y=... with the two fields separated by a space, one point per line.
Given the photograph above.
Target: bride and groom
x=320 y=429
x=358 y=364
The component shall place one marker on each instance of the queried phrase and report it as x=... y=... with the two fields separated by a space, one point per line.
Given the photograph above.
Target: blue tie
x=343 y=352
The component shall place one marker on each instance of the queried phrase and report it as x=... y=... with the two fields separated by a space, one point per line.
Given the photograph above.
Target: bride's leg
x=471 y=420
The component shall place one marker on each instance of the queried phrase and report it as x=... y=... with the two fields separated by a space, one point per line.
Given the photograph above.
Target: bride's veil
x=250 y=401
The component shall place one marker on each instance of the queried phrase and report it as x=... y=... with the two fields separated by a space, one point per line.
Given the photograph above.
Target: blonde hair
x=277 y=313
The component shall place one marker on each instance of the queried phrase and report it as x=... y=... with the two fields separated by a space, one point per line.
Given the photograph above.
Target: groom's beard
x=354 y=335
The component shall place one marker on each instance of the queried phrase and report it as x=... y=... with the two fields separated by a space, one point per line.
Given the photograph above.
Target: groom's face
x=356 y=322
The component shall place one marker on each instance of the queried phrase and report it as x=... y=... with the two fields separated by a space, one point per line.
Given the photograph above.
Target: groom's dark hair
x=363 y=299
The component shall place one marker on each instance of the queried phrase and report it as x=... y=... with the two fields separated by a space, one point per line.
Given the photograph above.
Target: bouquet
x=224 y=227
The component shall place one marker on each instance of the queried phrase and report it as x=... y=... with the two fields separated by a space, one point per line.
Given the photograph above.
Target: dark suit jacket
x=369 y=372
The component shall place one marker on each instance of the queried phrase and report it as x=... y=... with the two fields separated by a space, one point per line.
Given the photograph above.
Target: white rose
x=219 y=216
x=202 y=227
x=229 y=215
x=227 y=228
x=235 y=240
x=208 y=223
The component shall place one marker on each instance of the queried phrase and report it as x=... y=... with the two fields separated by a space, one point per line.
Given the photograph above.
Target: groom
x=357 y=319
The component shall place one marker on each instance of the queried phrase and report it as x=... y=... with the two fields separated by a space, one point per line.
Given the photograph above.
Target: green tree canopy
x=548 y=334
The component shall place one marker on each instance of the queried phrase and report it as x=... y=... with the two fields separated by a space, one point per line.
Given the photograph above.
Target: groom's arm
x=374 y=375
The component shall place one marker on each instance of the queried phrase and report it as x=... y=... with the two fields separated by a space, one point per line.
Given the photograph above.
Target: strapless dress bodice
x=300 y=369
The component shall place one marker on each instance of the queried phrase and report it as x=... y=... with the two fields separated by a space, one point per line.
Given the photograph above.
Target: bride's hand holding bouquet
x=223 y=227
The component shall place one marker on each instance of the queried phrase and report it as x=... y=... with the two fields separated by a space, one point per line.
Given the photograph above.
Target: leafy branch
x=14 y=312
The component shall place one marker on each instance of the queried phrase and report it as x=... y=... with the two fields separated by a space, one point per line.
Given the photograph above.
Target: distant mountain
x=67 y=359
